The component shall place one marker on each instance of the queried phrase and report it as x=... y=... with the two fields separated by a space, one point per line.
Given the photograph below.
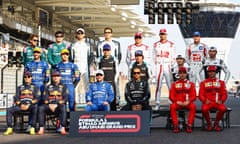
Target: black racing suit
x=109 y=66
x=25 y=95
x=54 y=94
x=137 y=92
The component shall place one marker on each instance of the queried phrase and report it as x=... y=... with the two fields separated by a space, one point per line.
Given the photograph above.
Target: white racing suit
x=81 y=57
x=163 y=56
x=195 y=53
x=219 y=63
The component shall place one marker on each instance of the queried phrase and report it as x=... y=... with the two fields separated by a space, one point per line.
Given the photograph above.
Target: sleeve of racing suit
x=89 y=94
x=187 y=55
x=76 y=75
x=154 y=58
x=24 y=56
x=172 y=93
x=43 y=55
x=128 y=57
x=226 y=71
x=192 y=93
x=110 y=94
x=49 y=57
x=127 y=94
x=99 y=49
x=201 y=94
x=147 y=93
x=119 y=55
x=47 y=73
x=223 y=91
x=173 y=56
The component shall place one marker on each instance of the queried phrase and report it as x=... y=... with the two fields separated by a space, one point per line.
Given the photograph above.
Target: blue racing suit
x=40 y=74
x=97 y=93
x=70 y=77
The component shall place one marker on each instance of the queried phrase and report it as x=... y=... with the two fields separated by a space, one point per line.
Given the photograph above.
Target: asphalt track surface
x=157 y=135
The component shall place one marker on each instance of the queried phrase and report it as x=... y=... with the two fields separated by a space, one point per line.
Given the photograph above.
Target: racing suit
x=174 y=72
x=25 y=95
x=220 y=66
x=70 y=77
x=27 y=55
x=109 y=65
x=130 y=58
x=54 y=94
x=146 y=71
x=194 y=54
x=137 y=92
x=164 y=57
x=82 y=56
x=182 y=90
x=115 y=49
x=99 y=92
x=40 y=75
x=213 y=90
x=54 y=56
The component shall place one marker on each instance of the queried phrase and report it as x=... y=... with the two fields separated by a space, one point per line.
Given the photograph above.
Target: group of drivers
x=180 y=74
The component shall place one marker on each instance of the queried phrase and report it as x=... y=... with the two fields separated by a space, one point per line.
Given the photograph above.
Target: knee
x=88 y=108
x=205 y=108
x=173 y=107
x=222 y=108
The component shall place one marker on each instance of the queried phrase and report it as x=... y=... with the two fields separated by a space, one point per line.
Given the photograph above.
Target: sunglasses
x=136 y=73
x=65 y=54
x=99 y=75
x=35 y=40
x=59 y=36
x=80 y=33
x=138 y=37
x=27 y=76
x=107 y=32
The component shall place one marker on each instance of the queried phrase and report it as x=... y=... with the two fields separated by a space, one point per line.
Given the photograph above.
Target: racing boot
x=9 y=131
x=156 y=107
x=32 y=131
x=63 y=131
x=28 y=129
x=175 y=129
x=41 y=131
x=209 y=126
x=189 y=128
x=217 y=127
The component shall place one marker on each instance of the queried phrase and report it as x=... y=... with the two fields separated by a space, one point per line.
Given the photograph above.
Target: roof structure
x=95 y=15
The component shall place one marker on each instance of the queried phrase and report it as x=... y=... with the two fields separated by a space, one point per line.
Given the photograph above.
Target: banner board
x=114 y=123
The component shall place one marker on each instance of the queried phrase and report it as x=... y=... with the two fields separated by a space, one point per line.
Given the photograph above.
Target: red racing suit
x=213 y=90
x=182 y=90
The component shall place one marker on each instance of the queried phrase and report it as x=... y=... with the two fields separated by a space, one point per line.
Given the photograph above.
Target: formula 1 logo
x=109 y=123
